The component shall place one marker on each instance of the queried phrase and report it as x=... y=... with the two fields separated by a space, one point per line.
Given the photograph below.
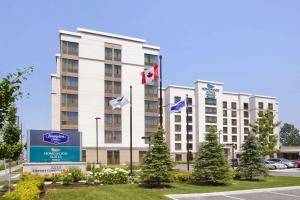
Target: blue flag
x=178 y=106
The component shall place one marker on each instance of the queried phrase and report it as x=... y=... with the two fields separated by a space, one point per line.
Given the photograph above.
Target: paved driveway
x=285 y=172
x=283 y=193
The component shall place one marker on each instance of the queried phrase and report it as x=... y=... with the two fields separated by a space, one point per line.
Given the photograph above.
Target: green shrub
x=56 y=177
x=88 y=167
x=72 y=175
x=111 y=176
x=27 y=190
x=182 y=176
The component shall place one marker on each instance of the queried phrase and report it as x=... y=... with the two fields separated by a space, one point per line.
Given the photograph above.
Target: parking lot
x=286 y=193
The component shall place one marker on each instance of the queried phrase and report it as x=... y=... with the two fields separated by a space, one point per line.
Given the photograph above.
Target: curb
x=175 y=196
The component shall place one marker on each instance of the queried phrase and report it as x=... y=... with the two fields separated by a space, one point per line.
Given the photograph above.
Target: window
x=117 y=54
x=69 y=83
x=210 y=119
x=233 y=113
x=151 y=121
x=69 y=118
x=177 y=118
x=233 y=122
x=225 y=122
x=150 y=60
x=189 y=101
x=233 y=105
x=270 y=106
x=234 y=130
x=189 y=146
x=113 y=157
x=83 y=153
x=70 y=48
x=210 y=110
x=178 y=157
x=189 y=137
x=113 y=86
x=142 y=155
x=151 y=106
x=108 y=86
x=234 y=138
x=113 y=137
x=117 y=71
x=177 y=128
x=106 y=102
x=225 y=130
x=190 y=110
x=151 y=90
x=246 y=122
x=177 y=146
x=108 y=70
x=225 y=138
x=177 y=99
x=224 y=104
x=207 y=127
x=69 y=65
x=246 y=106
x=69 y=100
x=189 y=119
x=260 y=113
x=246 y=114
x=190 y=128
x=111 y=119
x=117 y=87
x=246 y=131
x=245 y=137
x=108 y=53
x=177 y=137
x=260 y=105
x=209 y=101
x=224 y=113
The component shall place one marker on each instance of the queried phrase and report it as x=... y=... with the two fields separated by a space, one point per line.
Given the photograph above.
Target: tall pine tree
x=211 y=166
x=157 y=165
x=251 y=162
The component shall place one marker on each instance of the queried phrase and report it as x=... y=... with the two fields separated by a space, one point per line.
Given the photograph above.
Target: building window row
x=210 y=119
x=113 y=137
x=210 y=110
x=69 y=100
x=69 y=118
x=70 y=83
x=69 y=65
x=151 y=106
x=113 y=70
x=150 y=60
x=113 y=119
x=212 y=102
x=113 y=87
x=113 y=54
x=70 y=48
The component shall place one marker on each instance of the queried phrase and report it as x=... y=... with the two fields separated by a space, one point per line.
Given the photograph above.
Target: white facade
x=230 y=113
x=83 y=83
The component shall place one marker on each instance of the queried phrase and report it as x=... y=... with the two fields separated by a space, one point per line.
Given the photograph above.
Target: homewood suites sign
x=210 y=91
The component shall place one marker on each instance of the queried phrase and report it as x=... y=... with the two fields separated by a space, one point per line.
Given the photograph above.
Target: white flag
x=119 y=102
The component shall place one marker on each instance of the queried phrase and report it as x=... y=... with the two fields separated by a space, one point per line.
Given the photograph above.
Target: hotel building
x=94 y=67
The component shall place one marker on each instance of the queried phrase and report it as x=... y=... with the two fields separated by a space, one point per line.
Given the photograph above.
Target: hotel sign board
x=54 y=146
x=210 y=91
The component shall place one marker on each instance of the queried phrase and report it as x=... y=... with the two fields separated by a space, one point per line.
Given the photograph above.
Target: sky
x=251 y=46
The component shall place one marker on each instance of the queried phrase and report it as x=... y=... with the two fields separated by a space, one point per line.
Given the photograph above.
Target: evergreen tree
x=264 y=129
x=289 y=135
x=157 y=165
x=251 y=162
x=211 y=165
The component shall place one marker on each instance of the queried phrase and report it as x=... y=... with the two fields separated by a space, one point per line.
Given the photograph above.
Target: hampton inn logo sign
x=55 y=138
x=210 y=91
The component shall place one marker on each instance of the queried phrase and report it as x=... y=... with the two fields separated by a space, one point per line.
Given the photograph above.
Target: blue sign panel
x=54 y=154
x=54 y=146
x=55 y=138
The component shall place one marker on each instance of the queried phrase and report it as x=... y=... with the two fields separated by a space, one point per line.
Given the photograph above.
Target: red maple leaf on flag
x=150 y=74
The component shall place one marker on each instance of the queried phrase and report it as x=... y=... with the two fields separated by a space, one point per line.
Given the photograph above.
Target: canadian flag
x=148 y=75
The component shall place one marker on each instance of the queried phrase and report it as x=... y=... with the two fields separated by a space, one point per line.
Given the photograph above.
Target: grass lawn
x=129 y=192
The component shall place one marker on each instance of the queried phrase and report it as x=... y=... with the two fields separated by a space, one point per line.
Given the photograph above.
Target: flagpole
x=131 y=130
x=160 y=92
x=187 y=134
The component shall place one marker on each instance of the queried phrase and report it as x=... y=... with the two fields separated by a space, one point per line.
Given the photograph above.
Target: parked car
x=274 y=165
x=284 y=161
x=296 y=163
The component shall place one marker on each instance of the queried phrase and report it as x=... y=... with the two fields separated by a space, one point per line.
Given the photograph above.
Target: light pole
x=187 y=134
x=131 y=174
x=97 y=148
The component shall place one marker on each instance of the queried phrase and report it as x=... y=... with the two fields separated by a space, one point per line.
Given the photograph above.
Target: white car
x=271 y=164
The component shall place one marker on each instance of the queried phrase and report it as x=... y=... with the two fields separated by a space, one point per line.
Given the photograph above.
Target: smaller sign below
x=50 y=168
